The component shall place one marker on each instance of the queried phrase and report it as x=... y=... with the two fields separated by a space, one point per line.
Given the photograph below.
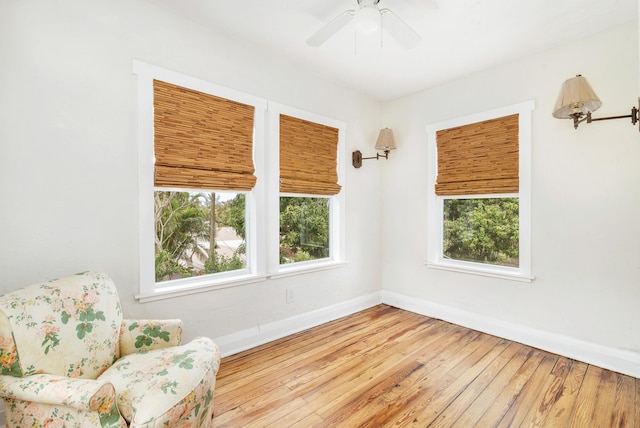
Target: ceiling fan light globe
x=368 y=19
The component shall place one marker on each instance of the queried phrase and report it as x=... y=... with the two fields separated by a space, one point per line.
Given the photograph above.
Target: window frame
x=148 y=288
x=262 y=202
x=435 y=204
x=337 y=206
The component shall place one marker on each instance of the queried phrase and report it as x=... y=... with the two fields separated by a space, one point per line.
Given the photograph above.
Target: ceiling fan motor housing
x=369 y=18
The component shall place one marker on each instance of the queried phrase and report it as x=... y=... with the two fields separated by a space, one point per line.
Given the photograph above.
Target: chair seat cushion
x=161 y=387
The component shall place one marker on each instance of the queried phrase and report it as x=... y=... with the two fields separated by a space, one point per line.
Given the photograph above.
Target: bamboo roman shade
x=479 y=158
x=308 y=157
x=201 y=141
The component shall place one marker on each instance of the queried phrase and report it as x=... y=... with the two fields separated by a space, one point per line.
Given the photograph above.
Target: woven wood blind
x=201 y=141
x=308 y=157
x=479 y=158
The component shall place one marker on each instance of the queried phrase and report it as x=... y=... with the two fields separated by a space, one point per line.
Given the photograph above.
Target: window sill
x=199 y=286
x=481 y=270
x=301 y=268
x=209 y=284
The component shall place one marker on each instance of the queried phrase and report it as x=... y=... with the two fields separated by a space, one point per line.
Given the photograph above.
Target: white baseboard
x=250 y=338
x=618 y=360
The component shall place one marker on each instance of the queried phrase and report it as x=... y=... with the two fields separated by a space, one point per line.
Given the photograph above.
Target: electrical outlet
x=290 y=297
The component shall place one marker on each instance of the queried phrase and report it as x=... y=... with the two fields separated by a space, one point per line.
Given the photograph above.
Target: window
x=198 y=233
x=479 y=202
x=305 y=227
x=197 y=183
x=481 y=230
x=218 y=206
x=201 y=141
x=308 y=182
x=306 y=224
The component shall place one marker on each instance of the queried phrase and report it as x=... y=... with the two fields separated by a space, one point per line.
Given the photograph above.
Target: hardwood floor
x=387 y=367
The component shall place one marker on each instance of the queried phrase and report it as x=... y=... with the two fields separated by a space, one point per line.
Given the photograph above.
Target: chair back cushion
x=67 y=327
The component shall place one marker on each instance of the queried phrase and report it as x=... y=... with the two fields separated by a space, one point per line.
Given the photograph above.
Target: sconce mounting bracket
x=356 y=157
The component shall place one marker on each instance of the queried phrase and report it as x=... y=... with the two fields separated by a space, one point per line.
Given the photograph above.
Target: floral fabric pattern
x=30 y=414
x=49 y=321
x=149 y=384
x=82 y=394
x=9 y=364
x=147 y=335
x=60 y=344
x=77 y=399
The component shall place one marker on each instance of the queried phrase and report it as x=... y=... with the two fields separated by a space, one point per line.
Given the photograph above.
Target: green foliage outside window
x=304 y=229
x=482 y=230
x=185 y=243
x=231 y=213
x=184 y=233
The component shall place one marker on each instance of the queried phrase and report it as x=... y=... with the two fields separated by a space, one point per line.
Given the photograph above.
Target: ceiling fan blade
x=332 y=27
x=399 y=30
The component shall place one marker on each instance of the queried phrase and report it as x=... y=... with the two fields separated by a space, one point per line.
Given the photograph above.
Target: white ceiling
x=459 y=37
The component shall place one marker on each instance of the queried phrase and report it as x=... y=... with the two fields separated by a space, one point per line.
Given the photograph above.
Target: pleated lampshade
x=385 y=140
x=576 y=97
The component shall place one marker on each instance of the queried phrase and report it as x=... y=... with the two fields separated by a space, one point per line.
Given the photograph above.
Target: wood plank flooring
x=387 y=367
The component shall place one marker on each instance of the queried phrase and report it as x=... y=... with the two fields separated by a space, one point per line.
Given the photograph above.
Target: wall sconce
x=385 y=142
x=577 y=101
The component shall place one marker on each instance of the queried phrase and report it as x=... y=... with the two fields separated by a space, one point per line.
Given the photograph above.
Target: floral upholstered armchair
x=68 y=359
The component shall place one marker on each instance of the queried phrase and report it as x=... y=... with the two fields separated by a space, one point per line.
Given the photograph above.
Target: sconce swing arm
x=578 y=118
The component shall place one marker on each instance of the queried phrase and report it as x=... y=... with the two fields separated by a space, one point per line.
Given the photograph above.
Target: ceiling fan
x=369 y=18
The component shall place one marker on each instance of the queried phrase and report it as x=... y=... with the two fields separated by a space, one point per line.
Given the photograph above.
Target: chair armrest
x=82 y=394
x=146 y=335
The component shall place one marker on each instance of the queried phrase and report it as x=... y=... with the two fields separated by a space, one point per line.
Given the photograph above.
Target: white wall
x=68 y=172
x=68 y=154
x=586 y=196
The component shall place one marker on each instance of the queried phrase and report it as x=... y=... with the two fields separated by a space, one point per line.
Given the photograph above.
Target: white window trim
x=337 y=212
x=435 y=257
x=255 y=271
x=262 y=222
